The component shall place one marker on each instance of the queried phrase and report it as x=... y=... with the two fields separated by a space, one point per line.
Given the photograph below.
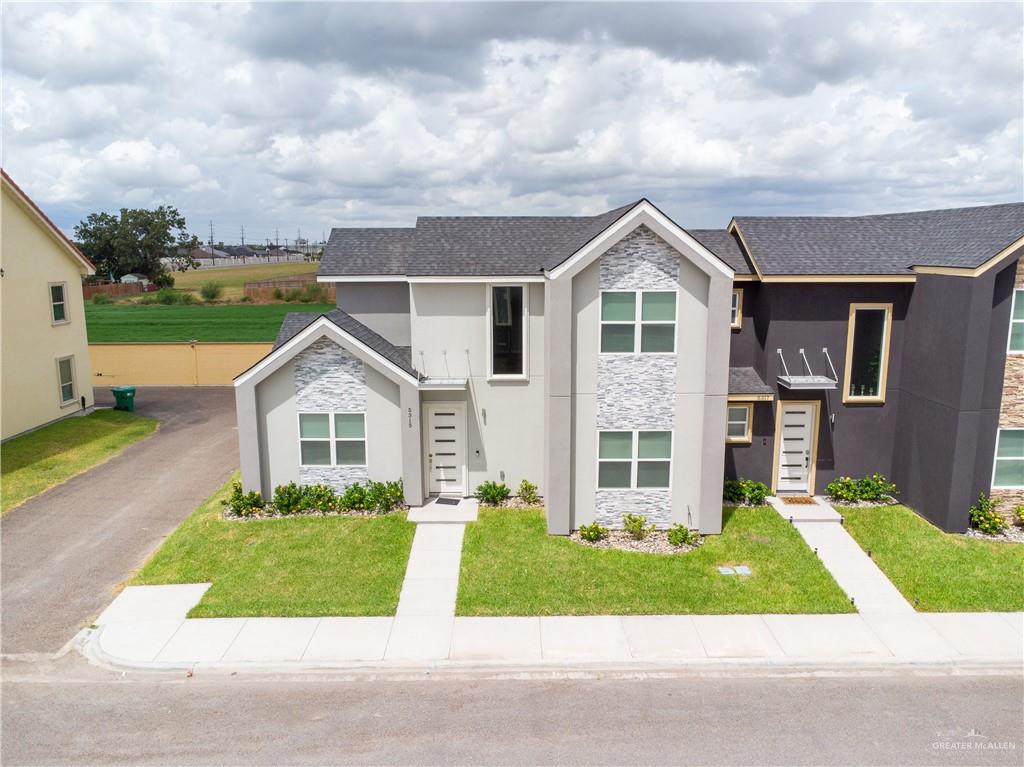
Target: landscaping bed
x=511 y=566
x=291 y=566
x=938 y=571
x=46 y=457
x=655 y=542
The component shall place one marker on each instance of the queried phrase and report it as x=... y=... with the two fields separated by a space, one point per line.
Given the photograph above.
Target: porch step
x=465 y=511
x=819 y=511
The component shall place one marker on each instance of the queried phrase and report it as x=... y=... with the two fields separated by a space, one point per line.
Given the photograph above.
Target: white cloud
x=315 y=115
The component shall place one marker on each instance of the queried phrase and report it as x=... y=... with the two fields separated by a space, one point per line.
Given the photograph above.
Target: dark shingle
x=747 y=381
x=884 y=244
x=367 y=251
x=725 y=246
x=295 y=322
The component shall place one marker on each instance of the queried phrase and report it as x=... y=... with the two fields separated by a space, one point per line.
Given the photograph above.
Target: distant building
x=134 y=277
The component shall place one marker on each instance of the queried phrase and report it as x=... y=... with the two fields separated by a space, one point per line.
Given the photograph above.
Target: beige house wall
x=31 y=258
x=1011 y=411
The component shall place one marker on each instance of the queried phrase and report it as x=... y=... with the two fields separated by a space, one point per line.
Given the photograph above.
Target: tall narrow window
x=66 y=379
x=867 y=352
x=1009 y=468
x=643 y=321
x=58 y=302
x=1016 y=345
x=508 y=331
x=736 y=312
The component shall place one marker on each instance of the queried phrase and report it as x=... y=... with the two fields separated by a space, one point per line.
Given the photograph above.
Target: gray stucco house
x=625 y=364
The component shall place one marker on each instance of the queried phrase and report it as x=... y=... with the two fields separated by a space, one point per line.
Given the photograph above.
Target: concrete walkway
x=66 y=550
x=146 y=628
x=855 y=572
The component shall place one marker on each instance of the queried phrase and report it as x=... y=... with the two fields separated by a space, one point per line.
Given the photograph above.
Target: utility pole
x=212 y=259
x=243 y=235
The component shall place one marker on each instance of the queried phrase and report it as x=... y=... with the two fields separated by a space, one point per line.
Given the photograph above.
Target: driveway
x=64 y=551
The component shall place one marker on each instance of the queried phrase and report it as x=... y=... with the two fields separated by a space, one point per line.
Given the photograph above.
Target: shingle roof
x=295 y=322
x=724 y=245
x=367 y=251
x=883 y=244
x=747 y=381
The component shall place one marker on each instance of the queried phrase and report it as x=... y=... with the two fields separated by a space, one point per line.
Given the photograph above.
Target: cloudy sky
x=295 y=115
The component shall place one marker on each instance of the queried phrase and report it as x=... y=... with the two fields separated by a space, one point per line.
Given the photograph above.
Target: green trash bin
x=124 y=398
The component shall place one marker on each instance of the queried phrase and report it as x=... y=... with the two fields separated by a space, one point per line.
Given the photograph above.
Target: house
x=626 y=364
x=141 y=278
x=45 y=359
x=239 y=251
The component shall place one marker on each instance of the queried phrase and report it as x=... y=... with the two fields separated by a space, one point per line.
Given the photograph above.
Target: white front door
x=446 y=447
x=796 y=446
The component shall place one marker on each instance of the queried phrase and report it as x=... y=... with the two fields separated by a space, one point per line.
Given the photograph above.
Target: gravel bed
x=654 y=543
x=515 y=503
x=1012 y=534
x=231 y=517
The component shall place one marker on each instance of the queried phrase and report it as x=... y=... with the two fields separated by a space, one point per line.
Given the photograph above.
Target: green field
x=233 y=278
x=125 y=322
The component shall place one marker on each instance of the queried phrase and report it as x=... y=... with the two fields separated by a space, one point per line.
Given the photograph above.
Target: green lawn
x=41 y=459
x=299 y=566
x=123 y=322
x=511 y=566
x=936 y=571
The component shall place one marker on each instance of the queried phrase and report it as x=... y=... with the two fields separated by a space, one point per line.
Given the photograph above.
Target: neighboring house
x=628 y=365
x=239 y=251
x=45 y=360
x=128 y=278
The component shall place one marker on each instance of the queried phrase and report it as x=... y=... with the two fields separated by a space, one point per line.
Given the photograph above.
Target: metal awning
x=444 y=384
x=809 y=380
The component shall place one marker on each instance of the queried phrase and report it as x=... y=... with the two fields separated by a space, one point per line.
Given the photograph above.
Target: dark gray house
x=626 y=364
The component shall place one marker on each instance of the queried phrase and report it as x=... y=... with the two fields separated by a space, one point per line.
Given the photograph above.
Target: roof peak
x=961 y=209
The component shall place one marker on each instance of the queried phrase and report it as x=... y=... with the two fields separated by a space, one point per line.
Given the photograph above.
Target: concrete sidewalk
x=146 y=628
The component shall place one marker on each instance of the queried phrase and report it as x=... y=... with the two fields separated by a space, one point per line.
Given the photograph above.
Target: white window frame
x=736 y=309
x=332 y=439
x=634 y=460
x=746 y=439
x=638 y=323
x=63 y=302
x=60 y=384
x=489 y=301
x=996 y=459
x=1018 y=299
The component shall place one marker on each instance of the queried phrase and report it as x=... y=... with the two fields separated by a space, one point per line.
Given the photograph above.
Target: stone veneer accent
x=637 y=391
x=330 y=380
x=1011 y=410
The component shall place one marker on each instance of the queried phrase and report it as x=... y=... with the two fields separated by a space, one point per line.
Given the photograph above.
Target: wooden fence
x=112 y=289
x=172 y=364
x=274 y=288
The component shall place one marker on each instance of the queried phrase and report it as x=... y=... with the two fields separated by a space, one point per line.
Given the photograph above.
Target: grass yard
x=41 y=459
x=125 y=322
x=300 y=566
x=233 y=278
x=511 y=566
x=939 y=571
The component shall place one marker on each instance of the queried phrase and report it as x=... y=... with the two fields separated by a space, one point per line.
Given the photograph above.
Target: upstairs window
x=1016 y=345
x=58 y=302
x=638 y=320
x=736 y=312
x=508 y=331
x=1009 y=468
x=634 y=459
x=332 y=439
x=867 y=352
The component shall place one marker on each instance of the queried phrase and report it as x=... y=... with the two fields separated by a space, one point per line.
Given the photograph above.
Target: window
x=736 y=316
x=867 y=352
x=66 y=379
x=508 y=331
x=1016 y=345
x=332 y=439
x=1009 y=468
x=634 y=459
x=738 y=422
x=642 y=319
x=58 y=302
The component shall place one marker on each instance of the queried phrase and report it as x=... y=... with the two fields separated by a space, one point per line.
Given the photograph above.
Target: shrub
x=732 y=491
x=278 y=294
x=244 y=504
x=593 y=532
x=164 y=280
x=312 y=293
x=353 y=499
x=843 y=489
x=289 y=499
x=319 y=497
x=874 y=487
x=167 y=296
x=102 y=298
x=754 y=493
x=246 y=299
x=680 y=535
x=1019 y=514
x=384 y=497
x=985 y=517
x=492 y=493
x=636 y=526
x=294 y=294
x=210 y=291
x=148 y=299
x=527 y=492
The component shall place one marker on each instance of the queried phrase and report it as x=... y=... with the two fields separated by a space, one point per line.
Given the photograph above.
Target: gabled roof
x=34 y=210
x=886 y=244
x=723 y=244
x=295 y=322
